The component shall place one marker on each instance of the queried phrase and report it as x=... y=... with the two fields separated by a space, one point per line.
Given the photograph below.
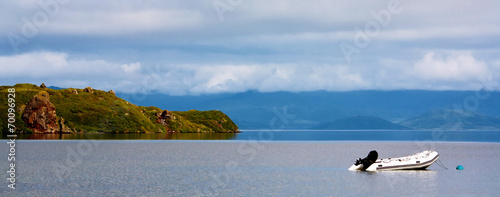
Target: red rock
x=40 y=114
x=88 y=89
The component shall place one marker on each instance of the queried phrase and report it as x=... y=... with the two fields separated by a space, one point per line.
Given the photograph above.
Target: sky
x=180 y=47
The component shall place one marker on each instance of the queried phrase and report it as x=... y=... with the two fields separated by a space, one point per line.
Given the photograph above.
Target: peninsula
x=39 y=109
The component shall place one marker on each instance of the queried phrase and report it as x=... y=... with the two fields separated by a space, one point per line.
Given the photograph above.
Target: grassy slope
x=101 y=111
x=214 y=120
x=23 y=94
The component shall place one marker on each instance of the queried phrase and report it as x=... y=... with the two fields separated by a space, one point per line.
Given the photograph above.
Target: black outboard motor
x=368 y=160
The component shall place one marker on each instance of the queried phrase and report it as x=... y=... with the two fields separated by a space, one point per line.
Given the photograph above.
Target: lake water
x=244 y=168
x=292 y=135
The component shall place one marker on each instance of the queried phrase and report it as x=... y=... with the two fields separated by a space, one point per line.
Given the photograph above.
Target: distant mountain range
x=360 y=123
x=415 y=109
x=449 y=119
x=445 y=119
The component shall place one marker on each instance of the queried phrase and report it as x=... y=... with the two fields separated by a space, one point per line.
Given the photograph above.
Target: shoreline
x=288 y=136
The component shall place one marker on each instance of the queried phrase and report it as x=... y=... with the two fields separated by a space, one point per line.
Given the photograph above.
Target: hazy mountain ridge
x=451 y=119
x=360 y=123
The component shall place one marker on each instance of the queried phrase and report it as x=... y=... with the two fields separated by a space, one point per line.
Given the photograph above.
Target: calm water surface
x=244 y=168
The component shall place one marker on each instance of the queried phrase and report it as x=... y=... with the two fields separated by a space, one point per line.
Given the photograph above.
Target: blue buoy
x=459 y=167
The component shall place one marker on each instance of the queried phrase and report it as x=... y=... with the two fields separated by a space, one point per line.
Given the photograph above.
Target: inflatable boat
x=418 y=161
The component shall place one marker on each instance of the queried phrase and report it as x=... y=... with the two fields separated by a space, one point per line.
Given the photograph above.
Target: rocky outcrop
x=88 y=90
x=40 y=114
x=63 y=128
x=163 y=117
x=43 y=85
x=112 y=92
x=73 y=91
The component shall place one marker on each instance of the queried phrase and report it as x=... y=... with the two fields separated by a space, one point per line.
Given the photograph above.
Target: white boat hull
x=418 y=161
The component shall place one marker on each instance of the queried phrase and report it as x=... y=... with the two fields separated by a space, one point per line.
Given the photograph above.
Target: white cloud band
x=451 y=70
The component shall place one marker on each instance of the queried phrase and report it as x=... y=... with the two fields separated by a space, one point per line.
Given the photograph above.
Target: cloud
x=60 y=69
x=455 y=66
x=106 y=22
x=182 y=47
x=99 y=18
x=131 y=68
x=260 y=18
x=38 y=64
x=436 y=71
x=201 y=79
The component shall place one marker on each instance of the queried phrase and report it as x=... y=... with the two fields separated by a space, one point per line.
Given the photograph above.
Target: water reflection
x=402 y=182
x=133 y=136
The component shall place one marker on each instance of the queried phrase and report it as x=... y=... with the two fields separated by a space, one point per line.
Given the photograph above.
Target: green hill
x=90 y=110
x=449 y=119
x=360 y=122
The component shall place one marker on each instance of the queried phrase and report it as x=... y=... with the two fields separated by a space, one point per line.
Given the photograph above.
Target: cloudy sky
x=195 y=47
